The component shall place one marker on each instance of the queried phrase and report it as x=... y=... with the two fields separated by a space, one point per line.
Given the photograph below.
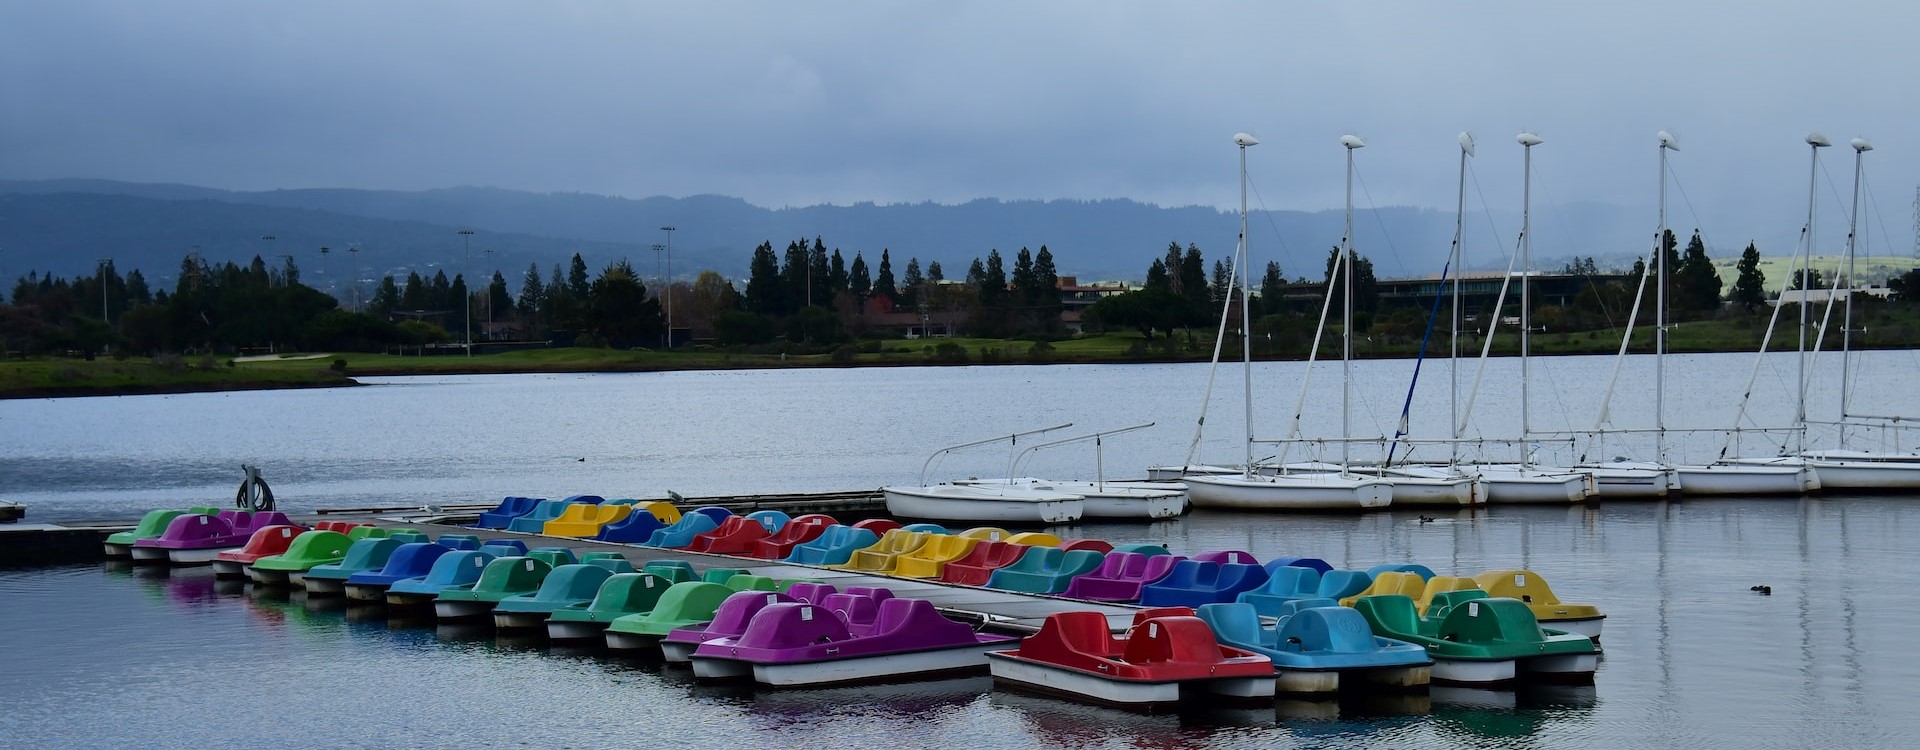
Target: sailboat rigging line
x=1313 y=354
x=1485 y=211
x=1486 y=344
x=1639 y=294
x=1219 y=338
x=1267 y=213
x=1746 y=395
x=1406 y=407
x=1374 y=209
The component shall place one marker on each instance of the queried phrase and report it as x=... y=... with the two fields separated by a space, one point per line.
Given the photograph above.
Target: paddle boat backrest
x=986 y=533
x=612 y=564
x=1094 y=545
x=409 y=537
x=879 y=526
x=458 y=541
x=682 y=532
x=621 y=501
x=1438 y=585
x=1227 y=556
x=592 y=556
x=1425 y=573
x=876 y=593
x=1339 y=584
x=925 y=528
x=572 y=583
x=1141 y=616
x=412 y=559
x=917 y=617
x=1390 y=582
x=1390 y=615
x=513 y=575
x=586 y=499
x=1171 y=639
x=858 y=612
x=358 y=533
x=798 y=531
x=811 y=592
x=1446 y=602
x=458 y=568
x=271 y=540
x=738 y=610
x=1078 y=633
x=834 y=546
x=1037 y=560
x=636 y=527
x=554 y=556
x=673 y=571
x=307 y=550
x=194 y=526
x=745 y=582
x=1118 y=565
x=794 y=623
x=714 y=512
x=1294 y=606
x=1035 y=539
x=629 y=592
x=535 y=520
x=263 y=519
x=585 y=519
x=1299 y=562
x=509 y=508
x=1149 y=550
x=1336 y=630
x=771 y=520
x=370 y=554
x=1525 y=585
x=1290 y=581
x=1236 y=624
x=814 y=519
x=661 y=510
x=505 y=548
x=721 y=575
x=1491 y=620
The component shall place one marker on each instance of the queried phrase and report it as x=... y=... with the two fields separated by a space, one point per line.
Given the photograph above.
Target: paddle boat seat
x=1438 y=585
x=554 y=556
x=721 y=575
x=414 y=559
x=881 y=556
x=1425 y=573
x=858 y=607
x=1227 y=556
x=307 y=550
x=729 y=620
x=673 y=571
x=879 y=526
x=621 y=594
x=797 y=531
x=682 y=532
x=501 y=578
x=190 y=531
x=582 y=520
x=1527 y=586
x=714 y=512
x=1121 y=576
x=1409 y=585
x=509 y=508
x=811 y=592
x=1299 y=562
x=1142 y=548
x=933 y=557
x=535 y=521
x=358 y=533
x=1285 y=583
x=1096 y=545
x=451 y=569
x=637 y=527
x=612 y=564
x=1164 y=648
x=366 y=555
x=505 y=548
x=271 y=540
x=1035 y=539
x=733 y=536
x=1196 y=582
x=404 y=536
x=1044 y=570
x=986 y=533
x=458 y=541
x=743 y=581
x=787 y=644
x=564 y=586
x=926 y=528
x=835 y=546
x=977 y=567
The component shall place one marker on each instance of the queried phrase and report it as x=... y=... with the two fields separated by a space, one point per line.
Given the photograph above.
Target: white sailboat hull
x=1175 y=473
x=1631 y=482
x=1307 y=492
x=1512 y=485
x=1136 y=500
x=1856 y=475
x=953 y=502
x=1746 y=479
x=1451 y=491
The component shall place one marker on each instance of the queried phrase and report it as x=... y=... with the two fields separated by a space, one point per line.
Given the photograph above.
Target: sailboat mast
x=1453 y=357
x=1815 y=142
x=1352 y=142
x=1667 y=143
x=1527 y=140
x=1860 y=149
x=1246 y=288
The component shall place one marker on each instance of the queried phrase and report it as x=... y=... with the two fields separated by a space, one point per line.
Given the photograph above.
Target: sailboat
x=1524 y=482
x=1250 y=489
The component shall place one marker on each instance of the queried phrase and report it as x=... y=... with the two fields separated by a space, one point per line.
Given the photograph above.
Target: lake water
x=100 y=657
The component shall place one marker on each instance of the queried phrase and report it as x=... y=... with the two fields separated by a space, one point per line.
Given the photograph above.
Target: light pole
x=331 y=287
x=669 y=230
x=353 y=252
x=657 y=278
x=489 y=261
x=103 y=262
x=466 y=263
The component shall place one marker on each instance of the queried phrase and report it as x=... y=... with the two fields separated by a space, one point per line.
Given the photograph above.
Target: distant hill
x=63 y=225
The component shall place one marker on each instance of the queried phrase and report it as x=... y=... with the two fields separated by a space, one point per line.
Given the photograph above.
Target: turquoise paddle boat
x=567 y=585
x=450 y=570
x=1316 y=643
x=620 y=595
x=330 y=579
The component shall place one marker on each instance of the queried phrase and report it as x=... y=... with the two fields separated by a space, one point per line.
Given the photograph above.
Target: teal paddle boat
x=620 y=595
x=565 y=586
x=1476 y=640
x=502 y=578
x=683 y=605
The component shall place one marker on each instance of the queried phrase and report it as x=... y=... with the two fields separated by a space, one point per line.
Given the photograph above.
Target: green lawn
x=104 y=376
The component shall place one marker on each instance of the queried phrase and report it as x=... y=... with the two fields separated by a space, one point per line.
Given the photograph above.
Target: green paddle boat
x=309 y=549
x=504 y=577
x=1476 y=640
x=620 y=595
x=566 y=585
x=151 y=525
x=683 y=605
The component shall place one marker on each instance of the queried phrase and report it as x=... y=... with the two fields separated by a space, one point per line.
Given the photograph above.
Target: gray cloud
x=804 y=103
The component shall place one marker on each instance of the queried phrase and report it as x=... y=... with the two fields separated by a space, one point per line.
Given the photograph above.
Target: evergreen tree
x=414 y=296
x=386 y=297
x=976 y=274
x=577 y=278
x=1811 y=280
x=1023 y=290
x=883 y=282
x=1170 y=265
x=934 y=273
x=499 y=302
x=458 y=300
x=1366 y=292
x=137 y=290
x=1193 y=276
x=619 y=309
x=1158 y=278
x=1222 y=281
x=910 y=284
x=836 y=273
x=1272 y=289
x=1045 y=275
x=532 y=291
x=1698 y=282
x=439 y=293
x=763 y=281
x=1750 y=288
x=820 y=275
x=993 y=282
x=859 y=280
x=794 y=277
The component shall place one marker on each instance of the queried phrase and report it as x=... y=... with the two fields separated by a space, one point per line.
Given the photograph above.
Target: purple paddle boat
x=729 y=621
x=194 y=539
x=790 y=645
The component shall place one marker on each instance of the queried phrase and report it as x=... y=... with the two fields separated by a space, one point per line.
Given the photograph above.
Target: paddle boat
x=535 y=521
x=1121 y=577
x=504 y=548
x=799 y=530
x=1208 y=577
x=882 y=555
x=151 y=525
x=737 y=535
x=509 y=508
x=307 y=550
x=410 y=560
x=365 y=556
x=620 y=595
x=797 y=644
x=683 y=531
x=1530 y=587
x=1474 y=640
x=1044 y=570
x=682 y=605
x=1166 y=656
x=835 y=546
x=196 y=538
x=565 y=586
x=729 y=620
x=455 y=569
x=582 y=520
x=932 y=558
x=271 y=540
x=977 y=568
x=1317 y=642
x=501 y=578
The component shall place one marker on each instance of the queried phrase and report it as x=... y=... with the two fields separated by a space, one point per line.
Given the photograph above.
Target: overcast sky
x=803 y=103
